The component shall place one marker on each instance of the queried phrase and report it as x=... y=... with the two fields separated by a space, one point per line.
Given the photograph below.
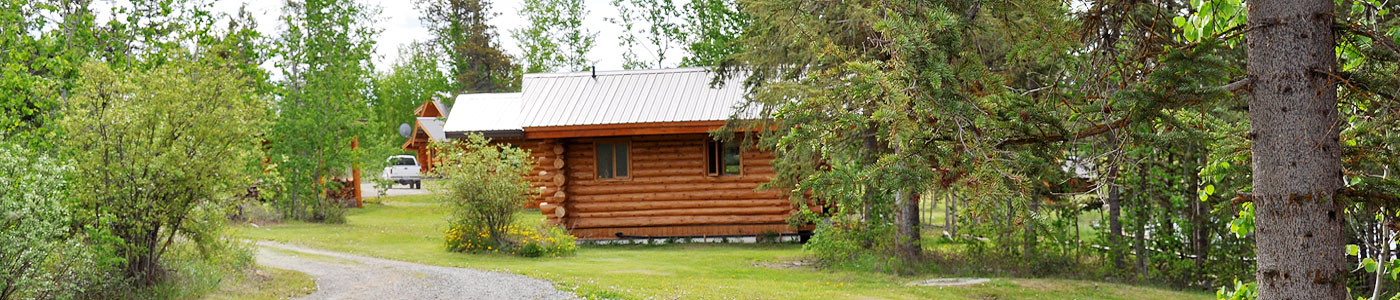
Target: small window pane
x=621 y=161
x=731 y=159
x=712 y=158
x=605 y=160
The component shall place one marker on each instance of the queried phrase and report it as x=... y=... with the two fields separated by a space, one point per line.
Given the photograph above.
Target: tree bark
x=1115 y=224
x=1200 y=238
x=908 y=223
x=1297 y=156
x=1381 y=259
x=948 y=216
x=953 y=215
x=1144 y=204
x=1114 y=203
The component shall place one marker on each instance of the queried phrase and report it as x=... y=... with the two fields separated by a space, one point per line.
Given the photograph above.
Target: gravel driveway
x=347 y=276
x=370 y=190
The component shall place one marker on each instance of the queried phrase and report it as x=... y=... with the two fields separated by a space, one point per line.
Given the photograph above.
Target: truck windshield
x=404 y=161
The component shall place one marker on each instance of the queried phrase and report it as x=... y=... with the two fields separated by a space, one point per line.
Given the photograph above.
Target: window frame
x=710 y=158
x=597 y=168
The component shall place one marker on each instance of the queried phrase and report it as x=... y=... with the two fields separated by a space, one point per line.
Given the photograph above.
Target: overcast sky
x=399 y=20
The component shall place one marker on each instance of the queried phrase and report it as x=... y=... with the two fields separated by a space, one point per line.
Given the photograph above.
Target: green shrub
x=485 y=185
x=1241 y=291
x=43 y=255
x=155 y=152
x=848 y=243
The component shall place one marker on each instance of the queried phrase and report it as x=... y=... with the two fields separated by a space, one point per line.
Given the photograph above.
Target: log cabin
x=628 y=155
x=427 y=128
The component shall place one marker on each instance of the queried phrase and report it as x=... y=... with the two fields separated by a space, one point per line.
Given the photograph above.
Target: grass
x=410 y=228
x=265 y=283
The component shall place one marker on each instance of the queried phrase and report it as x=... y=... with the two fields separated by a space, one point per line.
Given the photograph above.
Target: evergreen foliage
x=475 y=58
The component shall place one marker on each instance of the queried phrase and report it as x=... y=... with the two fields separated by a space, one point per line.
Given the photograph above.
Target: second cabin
x=627 y=154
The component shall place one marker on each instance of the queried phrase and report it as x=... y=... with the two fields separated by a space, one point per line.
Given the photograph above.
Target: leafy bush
x=486 y=185
x=1241 y=291
x=849 y=243
x=194 y=270
x=154 y=153
x=43 y=256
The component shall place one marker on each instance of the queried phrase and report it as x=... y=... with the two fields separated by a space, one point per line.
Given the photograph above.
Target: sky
x=401 y=26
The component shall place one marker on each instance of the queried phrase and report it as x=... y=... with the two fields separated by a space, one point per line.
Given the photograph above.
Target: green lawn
x=265 y=283
x=410 y=229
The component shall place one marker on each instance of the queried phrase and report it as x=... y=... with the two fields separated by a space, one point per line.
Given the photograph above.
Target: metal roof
x=432 y=126
x=445 y=110
x=486 y=112
x=622 y=97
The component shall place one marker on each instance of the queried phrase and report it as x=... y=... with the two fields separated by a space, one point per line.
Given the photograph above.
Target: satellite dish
x=405 y=130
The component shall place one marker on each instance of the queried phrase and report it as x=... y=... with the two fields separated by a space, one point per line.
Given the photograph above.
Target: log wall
x=668 y=193
x=548 y=173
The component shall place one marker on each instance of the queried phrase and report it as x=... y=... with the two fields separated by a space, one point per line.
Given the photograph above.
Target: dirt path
x=347 y=276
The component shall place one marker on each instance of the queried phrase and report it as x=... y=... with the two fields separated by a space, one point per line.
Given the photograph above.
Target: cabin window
x=722 y=158
x=405 y=161
x=613 y=159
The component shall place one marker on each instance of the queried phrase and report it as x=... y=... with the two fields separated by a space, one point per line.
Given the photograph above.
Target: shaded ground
x=347 y=276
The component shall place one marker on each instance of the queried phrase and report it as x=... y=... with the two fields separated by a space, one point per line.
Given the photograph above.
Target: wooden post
x=355 y=169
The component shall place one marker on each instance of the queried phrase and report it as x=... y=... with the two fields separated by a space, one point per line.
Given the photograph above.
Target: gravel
x=348 y=276
x=370 y=190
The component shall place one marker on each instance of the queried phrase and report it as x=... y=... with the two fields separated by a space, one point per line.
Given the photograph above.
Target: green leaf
x=1369 y=264
x=1207 y=192
x=1353 y=250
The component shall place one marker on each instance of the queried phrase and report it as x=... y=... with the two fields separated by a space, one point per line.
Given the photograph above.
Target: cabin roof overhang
x=606 y=130
x=494 y=134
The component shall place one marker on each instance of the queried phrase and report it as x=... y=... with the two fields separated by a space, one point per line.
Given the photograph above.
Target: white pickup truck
x=403 y=169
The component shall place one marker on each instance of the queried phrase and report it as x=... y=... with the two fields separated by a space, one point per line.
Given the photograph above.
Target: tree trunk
x=1297 y=157
x=953 y=215
x=1028 y=248
x=872 y=153
x=1115 y=203
x=948 y=216
x=1382 y=259
x=1197 y=208
x=1115 y=226
x=1144 y=204
x=908 y=224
